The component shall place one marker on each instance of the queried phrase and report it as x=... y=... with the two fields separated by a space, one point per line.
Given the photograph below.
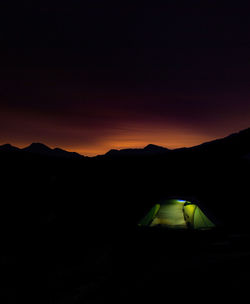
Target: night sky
x=88 y=76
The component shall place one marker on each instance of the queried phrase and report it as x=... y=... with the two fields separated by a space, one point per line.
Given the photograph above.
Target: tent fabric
x=150 y=216
x=177 y=214
x=201 y=220
x=170 y=215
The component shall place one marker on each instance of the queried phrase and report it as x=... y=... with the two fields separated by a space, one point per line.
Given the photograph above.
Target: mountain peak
x=38 y=148
x=8 y=147
x=146 y=151
x=64 y=153
x=155 y=148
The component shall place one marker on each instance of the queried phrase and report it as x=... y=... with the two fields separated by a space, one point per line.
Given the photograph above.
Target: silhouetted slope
x=155 y=149
x=38 y=148
x=41 y=149
x=63 y=153
x=237 y=144
x=8 y=148
x=149 y=150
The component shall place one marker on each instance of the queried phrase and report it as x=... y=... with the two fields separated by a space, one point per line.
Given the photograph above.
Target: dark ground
x=69 y=233
x=143 y=266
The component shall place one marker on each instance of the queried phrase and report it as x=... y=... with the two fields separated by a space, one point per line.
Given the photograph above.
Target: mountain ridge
x=238 y=142
x=41 y=149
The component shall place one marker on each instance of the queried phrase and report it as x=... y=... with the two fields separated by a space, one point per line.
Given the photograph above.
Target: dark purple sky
x=92 y=75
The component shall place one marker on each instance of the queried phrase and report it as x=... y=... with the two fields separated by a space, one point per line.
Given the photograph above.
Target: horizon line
x=117 y=149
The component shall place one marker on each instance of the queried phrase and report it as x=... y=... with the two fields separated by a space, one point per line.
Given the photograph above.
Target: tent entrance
x=170 y=215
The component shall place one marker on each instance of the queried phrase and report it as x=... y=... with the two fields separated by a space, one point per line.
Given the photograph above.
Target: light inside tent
x=177 y=214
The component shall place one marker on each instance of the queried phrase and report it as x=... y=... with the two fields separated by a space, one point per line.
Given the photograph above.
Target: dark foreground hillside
x=69 y=233
x=135 y=266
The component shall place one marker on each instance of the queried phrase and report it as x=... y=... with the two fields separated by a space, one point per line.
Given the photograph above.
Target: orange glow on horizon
x=140 y=139
x=128 y=140
x=97 y=137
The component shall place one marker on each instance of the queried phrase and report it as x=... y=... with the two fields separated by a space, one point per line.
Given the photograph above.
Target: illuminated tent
x=179 y=214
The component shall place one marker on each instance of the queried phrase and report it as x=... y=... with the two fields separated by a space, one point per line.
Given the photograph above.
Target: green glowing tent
x=179 y=214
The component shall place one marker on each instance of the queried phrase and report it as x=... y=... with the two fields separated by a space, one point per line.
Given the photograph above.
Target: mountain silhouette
x=63 y=153
x=8 y=148
x=41 y=149
x=155 y=149
x=236 y=144
x=38 y=148
x=148 y=150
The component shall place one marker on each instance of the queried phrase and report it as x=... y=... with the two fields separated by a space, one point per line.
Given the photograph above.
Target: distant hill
x=236 y=144
x=41 y=149
x=148 y=150
x=8 y=148
x=38 y=148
